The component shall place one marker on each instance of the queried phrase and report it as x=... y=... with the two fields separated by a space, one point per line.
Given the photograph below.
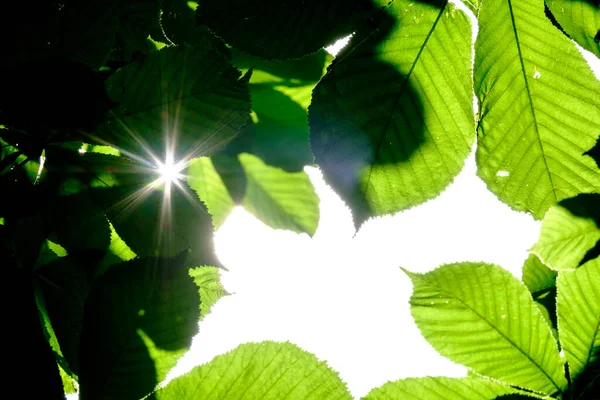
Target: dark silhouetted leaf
x=28 y=238
x=189 y=96
x=65 y=284
x=539 y=113
x=481 y=316
x=266 y=370
x=23 y=330
x=281 y=29
x=78 y=222
x=390 y=126
x=134 y=309
x=137 y=18
x=156 y=222
x=88 y=30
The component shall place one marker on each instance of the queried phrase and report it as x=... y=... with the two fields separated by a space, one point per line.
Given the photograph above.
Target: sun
x=169 y=171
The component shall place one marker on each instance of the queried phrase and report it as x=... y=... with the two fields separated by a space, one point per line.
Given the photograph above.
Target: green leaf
x=203 y=177
x=118 y=251
x=540 y=113
x=390 y=125
x=78 y=222
x=137 y=19
x=266 y=370
x=594 y=153
x=289 y=73
x=281 y=29
x=536 y=276
x=481 y=316
x=281 y=93
x=569 y=230
x=280 y=199
x=191 y=94
x=88 y=31
x=442 y=388
x=50 y=335
x=281 y=125
x=24 y=329
x=146 y=299
x=579 y=316
x=209 y=286
x=65 y=284
x=581 y=21
x=178 y=25
x=96 y=168
x=157 y=223
x=49 y=252
x=473 y=6
x=28 y=240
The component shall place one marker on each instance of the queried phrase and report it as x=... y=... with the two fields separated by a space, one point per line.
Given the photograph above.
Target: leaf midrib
x=396 y=101
x=528 y=90
x=573 y=236
x=497 y=330
x=591 y=349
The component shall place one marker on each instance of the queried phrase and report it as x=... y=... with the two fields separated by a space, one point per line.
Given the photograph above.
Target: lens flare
x=170 y=171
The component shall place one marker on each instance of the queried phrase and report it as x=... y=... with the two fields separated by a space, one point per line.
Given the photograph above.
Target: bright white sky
x=344 y=298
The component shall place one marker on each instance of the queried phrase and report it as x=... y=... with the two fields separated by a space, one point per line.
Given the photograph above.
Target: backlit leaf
x=481 y=316
x=540 y=108
x=473 y=5
x=440 y=388
x=208 y=184
x=569 y=230
x=266 y=370
x=580 y=19
x=390 y=124
x=208 y=281
x=579 y=316
x=536 y=276
x=282 y=200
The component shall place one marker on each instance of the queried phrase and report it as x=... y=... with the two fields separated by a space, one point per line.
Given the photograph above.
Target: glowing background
x=345 y=299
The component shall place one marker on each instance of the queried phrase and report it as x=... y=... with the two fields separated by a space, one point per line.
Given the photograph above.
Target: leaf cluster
x=112 y=259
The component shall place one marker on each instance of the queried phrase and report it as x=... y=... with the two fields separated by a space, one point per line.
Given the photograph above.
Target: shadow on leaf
x=364 y=113
x=140 y=316
x=586 y=206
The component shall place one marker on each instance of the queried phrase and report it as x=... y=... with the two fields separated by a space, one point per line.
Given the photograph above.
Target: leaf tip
x=411 y=275
x=246 y=77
